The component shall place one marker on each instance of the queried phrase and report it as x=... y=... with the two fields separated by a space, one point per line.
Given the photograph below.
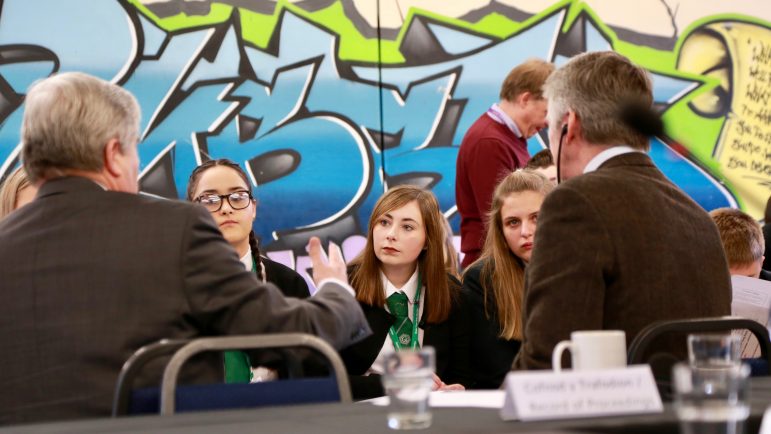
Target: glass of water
x=711 y=400
x=714 y=350
x=408 y=379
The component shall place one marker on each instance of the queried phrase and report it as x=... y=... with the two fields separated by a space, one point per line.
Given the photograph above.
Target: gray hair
x=68 y=120
x=598 y=86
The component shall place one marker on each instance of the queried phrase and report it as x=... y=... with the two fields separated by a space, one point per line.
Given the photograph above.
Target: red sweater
x=488 y=153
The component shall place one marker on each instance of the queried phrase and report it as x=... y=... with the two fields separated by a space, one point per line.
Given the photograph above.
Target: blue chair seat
x=758 y=366
x=231 y=396
x=168 y=398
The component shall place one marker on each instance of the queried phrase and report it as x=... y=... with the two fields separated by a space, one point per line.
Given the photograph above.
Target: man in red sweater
x=495 y=145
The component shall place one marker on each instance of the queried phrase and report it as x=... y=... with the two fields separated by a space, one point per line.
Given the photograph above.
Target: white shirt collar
x=409 y=288
x=247 y=259
x=498 y=115
x=606 y=155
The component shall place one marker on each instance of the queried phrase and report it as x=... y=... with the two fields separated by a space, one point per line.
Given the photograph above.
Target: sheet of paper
x=468 y=398
x=380 y=402
x=751 y=300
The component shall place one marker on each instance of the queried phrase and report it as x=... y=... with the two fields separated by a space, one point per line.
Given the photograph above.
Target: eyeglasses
x=236 y=199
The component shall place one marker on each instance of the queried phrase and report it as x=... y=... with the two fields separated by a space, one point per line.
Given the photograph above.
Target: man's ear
x=573 y=125
x=112 y=155
x=524 y=98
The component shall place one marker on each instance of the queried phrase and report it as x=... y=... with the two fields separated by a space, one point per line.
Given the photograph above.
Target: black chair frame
x=134 y=365
x=641 y=343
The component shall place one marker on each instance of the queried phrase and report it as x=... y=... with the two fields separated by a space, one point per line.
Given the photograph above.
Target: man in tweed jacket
x=618 y=245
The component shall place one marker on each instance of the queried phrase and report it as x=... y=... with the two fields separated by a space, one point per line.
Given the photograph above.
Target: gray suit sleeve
x=565 y=280
x=223 y=298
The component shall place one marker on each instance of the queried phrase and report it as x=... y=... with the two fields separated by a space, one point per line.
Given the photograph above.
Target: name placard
x=544 y=395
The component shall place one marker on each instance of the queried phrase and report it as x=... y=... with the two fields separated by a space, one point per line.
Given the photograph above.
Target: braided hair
x=192 y=185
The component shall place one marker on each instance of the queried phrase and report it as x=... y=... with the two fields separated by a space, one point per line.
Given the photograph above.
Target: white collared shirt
x=498 y=115
x=247 y=259
x=409 y=288
x=606 y=155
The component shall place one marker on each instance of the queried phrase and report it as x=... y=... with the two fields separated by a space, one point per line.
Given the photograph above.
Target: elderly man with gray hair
x=619 y=245
x=91 y=271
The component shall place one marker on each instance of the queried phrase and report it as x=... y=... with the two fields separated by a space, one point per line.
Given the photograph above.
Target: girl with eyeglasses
x=223 y=188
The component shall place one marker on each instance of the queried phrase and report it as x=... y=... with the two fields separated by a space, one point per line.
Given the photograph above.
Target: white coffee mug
x=595 y=349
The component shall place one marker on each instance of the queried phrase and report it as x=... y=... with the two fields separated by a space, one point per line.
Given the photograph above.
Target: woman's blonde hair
x=9 y=192
x=450 y=252
x=503 y=272
x=365 y=278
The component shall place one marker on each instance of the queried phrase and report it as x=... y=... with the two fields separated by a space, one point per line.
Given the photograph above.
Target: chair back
x=169 y=392
x=642 y=342
x=642 y=350
x=122 y=400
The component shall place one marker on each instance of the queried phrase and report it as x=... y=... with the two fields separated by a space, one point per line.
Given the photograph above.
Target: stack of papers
x=751 y=300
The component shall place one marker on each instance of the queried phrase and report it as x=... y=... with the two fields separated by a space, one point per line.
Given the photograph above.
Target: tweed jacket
x=619 y=248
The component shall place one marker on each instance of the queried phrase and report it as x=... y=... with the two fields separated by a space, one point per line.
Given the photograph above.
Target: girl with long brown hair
x=494 y=285
x=405 y=292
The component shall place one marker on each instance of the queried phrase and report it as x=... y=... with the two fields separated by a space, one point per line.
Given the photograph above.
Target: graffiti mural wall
x=326 y=103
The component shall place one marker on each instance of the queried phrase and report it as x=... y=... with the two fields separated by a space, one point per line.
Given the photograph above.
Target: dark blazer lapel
x=437 y=336
x=430 y=331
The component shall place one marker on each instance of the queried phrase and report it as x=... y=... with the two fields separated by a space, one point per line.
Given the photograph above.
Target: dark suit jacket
x=449 y=339
x=619 y=248
x=491 y=355
x=89 y=276
x=291 y=284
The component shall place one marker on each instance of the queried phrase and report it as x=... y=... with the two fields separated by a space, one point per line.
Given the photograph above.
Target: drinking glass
x=715 y=351
x=408 y=379
x=711 y=400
